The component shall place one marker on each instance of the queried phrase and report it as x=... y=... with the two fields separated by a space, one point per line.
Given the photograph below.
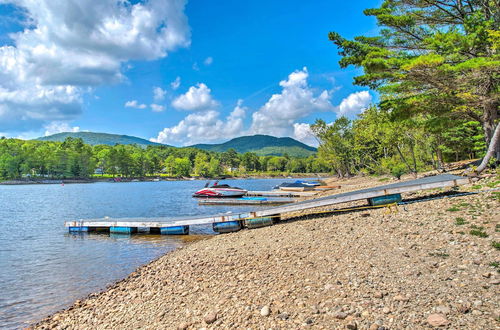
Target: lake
x=43 y=268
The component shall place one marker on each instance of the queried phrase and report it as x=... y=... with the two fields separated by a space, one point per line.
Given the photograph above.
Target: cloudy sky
x=174 y=71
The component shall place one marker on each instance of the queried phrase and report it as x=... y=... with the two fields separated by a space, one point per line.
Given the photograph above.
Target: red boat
x=220 y=190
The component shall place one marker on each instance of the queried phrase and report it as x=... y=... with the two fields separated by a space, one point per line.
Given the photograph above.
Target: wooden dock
x=240 y=201
x=279 y=193
x=233 y=221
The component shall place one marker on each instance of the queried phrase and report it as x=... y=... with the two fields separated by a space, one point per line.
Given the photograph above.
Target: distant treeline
x=75 y=159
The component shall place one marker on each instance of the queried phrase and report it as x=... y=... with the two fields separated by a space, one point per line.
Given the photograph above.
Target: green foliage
x=436 y=66
x=496 y=245
x=262 y=145
x=99 y=138
x=72 y=158
x=460 y=221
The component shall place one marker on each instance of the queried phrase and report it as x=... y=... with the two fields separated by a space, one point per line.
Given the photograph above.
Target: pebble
x=437 y=320
x=378 y=294
x=340 y=315
x=283 y=316
x=265 y=311
x=210 y=317
x=442 y=309
x=352 y=326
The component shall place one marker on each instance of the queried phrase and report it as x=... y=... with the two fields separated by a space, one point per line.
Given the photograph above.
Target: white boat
x=220 y=190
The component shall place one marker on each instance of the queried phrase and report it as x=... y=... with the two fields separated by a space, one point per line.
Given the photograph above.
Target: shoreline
x=400 y=270
x=158 y=179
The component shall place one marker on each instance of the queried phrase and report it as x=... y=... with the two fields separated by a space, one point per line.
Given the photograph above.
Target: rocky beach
x=428 y=264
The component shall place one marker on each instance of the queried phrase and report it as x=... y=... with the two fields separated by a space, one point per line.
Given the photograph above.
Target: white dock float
x=124 y=225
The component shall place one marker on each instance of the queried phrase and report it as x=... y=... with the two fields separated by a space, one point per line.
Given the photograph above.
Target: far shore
x=159 y=178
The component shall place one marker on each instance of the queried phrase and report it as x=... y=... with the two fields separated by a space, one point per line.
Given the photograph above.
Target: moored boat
x=220 y=190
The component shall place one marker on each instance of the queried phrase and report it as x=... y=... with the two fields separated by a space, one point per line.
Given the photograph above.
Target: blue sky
x=220 y=69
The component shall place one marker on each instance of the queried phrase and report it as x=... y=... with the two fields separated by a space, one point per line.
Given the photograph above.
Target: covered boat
x=220 y=190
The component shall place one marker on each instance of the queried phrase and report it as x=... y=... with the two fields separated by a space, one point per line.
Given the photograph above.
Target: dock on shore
x=280 y=193
x=229 y=222
x=242 y=201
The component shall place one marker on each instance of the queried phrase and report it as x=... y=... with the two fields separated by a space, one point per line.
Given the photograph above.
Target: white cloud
x=159 y=94
x=296 y=100
x=59 y=127
x=302 y=132
x=355 y=103
x=197 y=98
x=135 y=104
x=69 y=46
x=208 y=61
x=176 y=83
x=157 y=107
x=203 y=127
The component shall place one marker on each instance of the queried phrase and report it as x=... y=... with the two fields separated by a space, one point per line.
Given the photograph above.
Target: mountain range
x=262 y=145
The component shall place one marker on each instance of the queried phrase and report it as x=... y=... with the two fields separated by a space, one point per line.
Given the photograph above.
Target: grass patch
x=461 y=233
x=493 y=184
x=497 y=227
x=477 y=186
x=460 y=221
x=478 y=233
x=496 y=245
x=383 y=179
x=439 y=254
x=495 y=264
x=453 y=209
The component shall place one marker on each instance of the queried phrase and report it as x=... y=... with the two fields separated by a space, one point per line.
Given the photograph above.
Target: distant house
x=98 y=171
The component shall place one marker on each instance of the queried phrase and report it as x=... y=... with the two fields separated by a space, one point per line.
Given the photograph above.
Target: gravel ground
x=423 y=265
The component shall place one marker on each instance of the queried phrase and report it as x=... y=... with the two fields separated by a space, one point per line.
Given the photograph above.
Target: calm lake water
x=43 y=268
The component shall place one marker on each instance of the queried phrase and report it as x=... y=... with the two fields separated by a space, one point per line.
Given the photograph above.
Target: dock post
x=122 y=230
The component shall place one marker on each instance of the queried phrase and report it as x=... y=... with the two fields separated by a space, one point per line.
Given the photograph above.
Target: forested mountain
x=262 y=145
x=99 y=138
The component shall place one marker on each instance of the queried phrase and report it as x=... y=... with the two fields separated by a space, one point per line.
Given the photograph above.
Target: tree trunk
x=403 y=158
x=490 y=114
x=492 y=149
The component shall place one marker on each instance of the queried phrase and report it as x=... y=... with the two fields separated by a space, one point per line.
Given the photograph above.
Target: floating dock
x=242 y=201
x=234 y=221
x=279 y=193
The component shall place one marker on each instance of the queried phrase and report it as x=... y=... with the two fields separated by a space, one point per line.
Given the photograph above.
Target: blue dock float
x=79 y=229
x=259 y=222
x=178 y=230
x=384 y=200
x=122 y=230
x=226 y=227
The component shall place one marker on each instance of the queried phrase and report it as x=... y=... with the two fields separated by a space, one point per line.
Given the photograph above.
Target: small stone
x=365 y=314
x=340 y=315
x=487 y=275
x=374 y=326
x=378 y=294
x=183 y=326
x=352 y=326
x=265 y=311
x=463 y=308
x=283 y=316
x=400 y=298
x=437 y=320
x=477 y=312
x=442 y=309
x=386 y=310
x=210 y=317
